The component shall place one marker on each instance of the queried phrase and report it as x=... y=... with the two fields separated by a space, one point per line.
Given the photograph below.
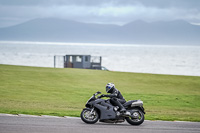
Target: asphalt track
x=46 y=124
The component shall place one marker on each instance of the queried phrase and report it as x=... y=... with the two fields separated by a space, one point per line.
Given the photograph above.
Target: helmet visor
x=108 y=88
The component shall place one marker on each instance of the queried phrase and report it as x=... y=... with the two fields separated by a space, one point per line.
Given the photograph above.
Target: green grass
x=61 y=92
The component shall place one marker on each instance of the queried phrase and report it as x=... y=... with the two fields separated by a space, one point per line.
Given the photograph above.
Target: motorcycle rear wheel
x=89 y=117
x=137 y=119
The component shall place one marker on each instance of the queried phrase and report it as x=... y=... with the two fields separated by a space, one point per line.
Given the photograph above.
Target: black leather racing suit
x=116 y=98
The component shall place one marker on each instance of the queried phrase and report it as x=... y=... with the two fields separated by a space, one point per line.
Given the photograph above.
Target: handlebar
x=97 y=93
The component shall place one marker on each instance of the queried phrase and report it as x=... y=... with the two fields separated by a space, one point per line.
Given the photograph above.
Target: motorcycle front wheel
x=89 y=116
x=137 y=117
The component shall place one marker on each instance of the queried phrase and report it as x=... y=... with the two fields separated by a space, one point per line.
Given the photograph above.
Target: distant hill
x=137 y=32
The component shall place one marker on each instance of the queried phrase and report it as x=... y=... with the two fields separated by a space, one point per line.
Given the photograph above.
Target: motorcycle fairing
x=105 y=108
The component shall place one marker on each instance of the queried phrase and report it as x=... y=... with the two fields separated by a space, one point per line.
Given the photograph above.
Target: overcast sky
x=99 y=11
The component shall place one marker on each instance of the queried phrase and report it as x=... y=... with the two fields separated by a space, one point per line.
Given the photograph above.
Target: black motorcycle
x=102 y=110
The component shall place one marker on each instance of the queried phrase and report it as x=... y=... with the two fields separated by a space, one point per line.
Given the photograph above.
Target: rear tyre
x=137 y=117
x=89 y=117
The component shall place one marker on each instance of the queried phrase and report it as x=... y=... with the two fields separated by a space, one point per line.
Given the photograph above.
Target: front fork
x=91 y=112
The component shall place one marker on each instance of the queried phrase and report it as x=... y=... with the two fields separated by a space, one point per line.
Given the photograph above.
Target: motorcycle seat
x=129 y=103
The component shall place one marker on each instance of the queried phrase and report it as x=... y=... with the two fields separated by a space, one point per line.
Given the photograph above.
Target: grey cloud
x=99 y=11
x=151 y=3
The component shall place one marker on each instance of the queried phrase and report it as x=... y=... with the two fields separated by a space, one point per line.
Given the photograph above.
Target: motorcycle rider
x=116 y=97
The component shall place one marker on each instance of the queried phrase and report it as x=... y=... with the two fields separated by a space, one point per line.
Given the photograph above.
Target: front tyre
x=137 y=117
x=89 y=116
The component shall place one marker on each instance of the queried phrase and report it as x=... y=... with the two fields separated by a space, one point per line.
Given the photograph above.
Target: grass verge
x=64 y=92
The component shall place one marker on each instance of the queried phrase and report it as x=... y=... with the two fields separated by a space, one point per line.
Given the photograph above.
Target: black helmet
x=110 y=87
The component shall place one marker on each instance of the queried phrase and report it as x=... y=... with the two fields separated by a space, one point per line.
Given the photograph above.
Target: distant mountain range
x=137 y=32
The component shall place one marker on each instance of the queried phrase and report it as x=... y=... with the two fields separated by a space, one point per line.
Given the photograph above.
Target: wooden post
x=100 y=60
x=54 y=61
x=64 y=61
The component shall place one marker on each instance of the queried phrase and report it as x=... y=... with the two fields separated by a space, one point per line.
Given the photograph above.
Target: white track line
x=69 y=117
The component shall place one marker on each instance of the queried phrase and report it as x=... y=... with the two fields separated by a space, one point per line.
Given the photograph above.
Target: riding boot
x=116 y=102
x=121 y=107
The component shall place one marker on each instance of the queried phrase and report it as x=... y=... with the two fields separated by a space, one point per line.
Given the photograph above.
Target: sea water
x=158 y=59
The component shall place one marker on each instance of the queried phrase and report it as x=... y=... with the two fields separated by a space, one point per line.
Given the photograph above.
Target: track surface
x=46 y=124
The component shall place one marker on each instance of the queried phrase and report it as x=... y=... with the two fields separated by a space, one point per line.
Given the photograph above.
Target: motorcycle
x=102 y=110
